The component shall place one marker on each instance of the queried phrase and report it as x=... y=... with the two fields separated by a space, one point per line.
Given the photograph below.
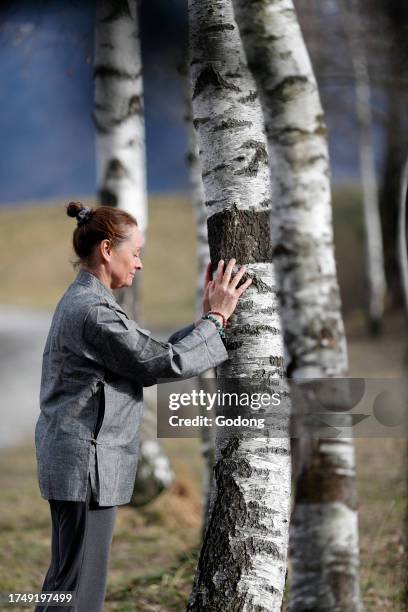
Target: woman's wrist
x=217 y=320
x=216 y=316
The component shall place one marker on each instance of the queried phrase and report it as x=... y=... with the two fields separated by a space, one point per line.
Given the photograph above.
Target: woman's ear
x=105 y=249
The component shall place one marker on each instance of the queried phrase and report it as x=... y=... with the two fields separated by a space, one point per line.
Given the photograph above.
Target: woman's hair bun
x=74 y=208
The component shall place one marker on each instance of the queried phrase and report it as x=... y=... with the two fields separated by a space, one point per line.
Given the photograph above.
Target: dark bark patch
x=107 y=198
x=277 y=361
x=270 y=310
x=260 y=157
x=210 y=77
x=234 y=75
x=255 y=330
x=242 y=234
x=200 y=121
x=260 y=285
x=218 y=168
x=219 y=27
x=115 y=170
x=100 y=127
x=231 y=124
x=288 y=88
x=251 y=97
x=210 y=203
x=319 y=482
x=104 y=71
x=232 y=345
x=289 y=136
x=120 y=9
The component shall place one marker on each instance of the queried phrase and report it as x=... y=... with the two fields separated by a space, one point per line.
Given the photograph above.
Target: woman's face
x=125 y=259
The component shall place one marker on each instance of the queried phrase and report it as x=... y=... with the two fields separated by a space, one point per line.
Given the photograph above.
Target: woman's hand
x=221 y=294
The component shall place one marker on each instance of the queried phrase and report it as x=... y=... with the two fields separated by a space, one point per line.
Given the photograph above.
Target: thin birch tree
x=374 y=256
x=205 y=380
x=121 y=178
x=324 y=528
x=242 y=565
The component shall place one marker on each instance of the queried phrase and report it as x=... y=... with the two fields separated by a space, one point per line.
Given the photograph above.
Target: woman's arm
x=122 y=347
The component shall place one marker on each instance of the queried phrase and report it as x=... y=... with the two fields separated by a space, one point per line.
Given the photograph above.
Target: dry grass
x=35 y=255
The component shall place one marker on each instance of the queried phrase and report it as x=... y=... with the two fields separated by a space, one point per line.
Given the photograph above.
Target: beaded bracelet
x=215 y=312
x=218 y=325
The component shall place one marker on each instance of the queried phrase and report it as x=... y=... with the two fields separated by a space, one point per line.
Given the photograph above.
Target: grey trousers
x=80 y=548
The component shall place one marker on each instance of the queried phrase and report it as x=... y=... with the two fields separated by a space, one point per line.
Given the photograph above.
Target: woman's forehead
x=137 y=238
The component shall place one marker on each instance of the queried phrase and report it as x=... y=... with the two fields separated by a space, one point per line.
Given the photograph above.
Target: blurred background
x=48 y=159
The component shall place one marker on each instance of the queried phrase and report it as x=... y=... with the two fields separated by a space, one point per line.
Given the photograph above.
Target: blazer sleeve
x=131 y=352
x=180 y=334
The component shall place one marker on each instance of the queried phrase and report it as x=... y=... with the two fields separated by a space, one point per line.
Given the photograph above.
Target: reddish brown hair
x=95 y=225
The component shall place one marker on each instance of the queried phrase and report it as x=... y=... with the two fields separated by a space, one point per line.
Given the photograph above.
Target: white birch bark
x=324 y=535
x=206 y=380
x=374 y=255
x=121 y=176
x=402 y=235
x=118 y=111
x=242 y=565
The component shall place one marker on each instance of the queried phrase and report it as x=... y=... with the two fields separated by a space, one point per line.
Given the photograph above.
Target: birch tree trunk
x=402 y=235
x=119 y=119
x=242 y=563
x=324 y=532
x=121 y=178
x=206 y=380
x=373 y=236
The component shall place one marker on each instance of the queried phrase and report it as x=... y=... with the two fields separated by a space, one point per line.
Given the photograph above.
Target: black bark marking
x=219 y=27
x=108 y=198
x=267 y=203
x=210 y=77
x=212 y=202
x=215 y=169
x=231 y=124
x=232 y=345
x=319 y=482
x=135 y=108
x=104 y=71
x=242 y=234
x=260 y=285
x=107 y=45
x=251 y=97
x=254 y=330
x=288 y=88
x=289 y=136
x=200 y=121
x=277 y=361
x=115 y=170
x=100 y=127
x=260 y=157
x=120 y=8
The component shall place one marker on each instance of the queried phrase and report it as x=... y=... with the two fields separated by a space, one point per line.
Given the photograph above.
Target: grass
x=155 y=549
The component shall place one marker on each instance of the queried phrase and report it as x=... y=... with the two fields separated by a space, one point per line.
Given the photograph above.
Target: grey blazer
x=94 y=352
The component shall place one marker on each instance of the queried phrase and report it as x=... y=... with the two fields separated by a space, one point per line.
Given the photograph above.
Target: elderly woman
x=96 y=362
